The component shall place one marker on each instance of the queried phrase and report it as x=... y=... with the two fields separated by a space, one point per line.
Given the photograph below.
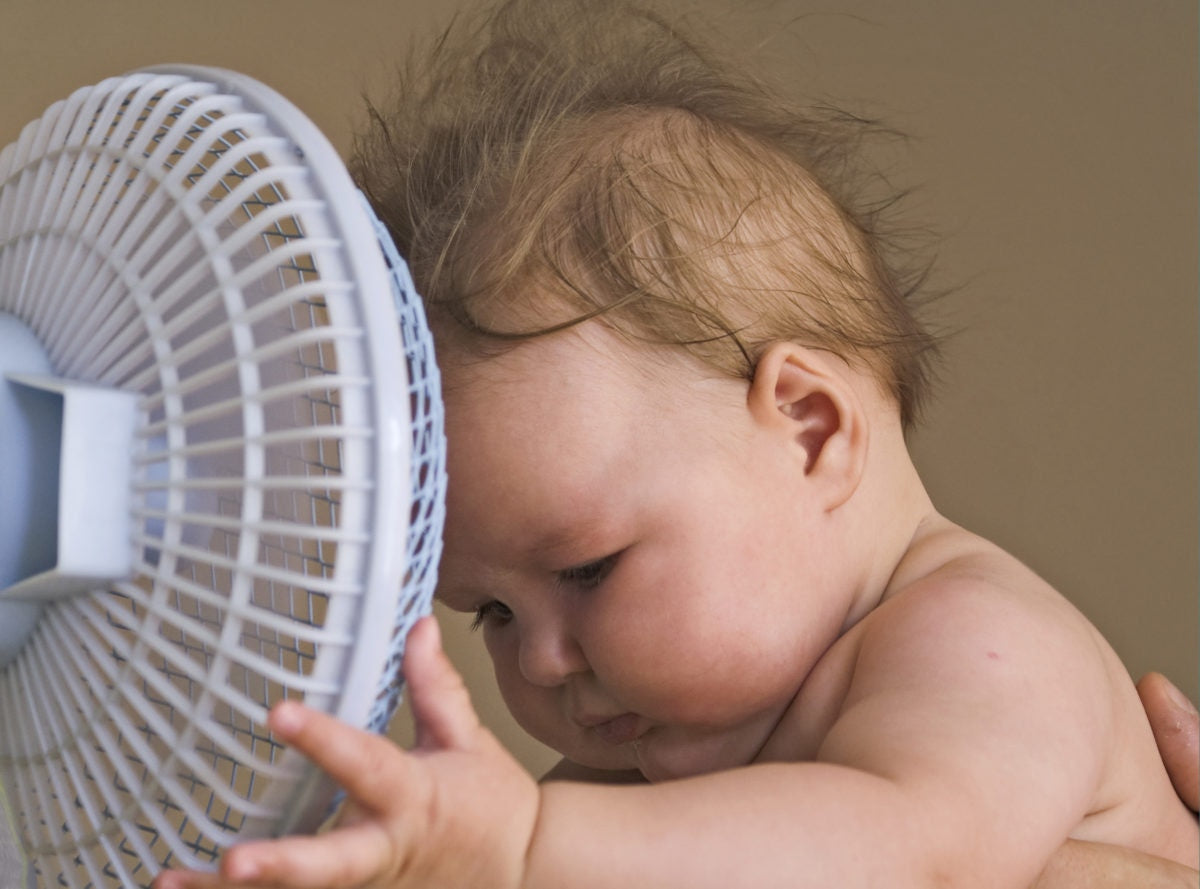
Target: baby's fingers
x=369 y=767
x=445 y=718
x=353 y=856
x=348 y=857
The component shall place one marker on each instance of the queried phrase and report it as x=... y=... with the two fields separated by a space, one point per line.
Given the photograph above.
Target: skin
x=1176 y=730
x=386 y=785
x=853 y=677
x=571 y=666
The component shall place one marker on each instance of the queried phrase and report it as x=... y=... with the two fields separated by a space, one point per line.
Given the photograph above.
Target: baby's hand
x=456 y=811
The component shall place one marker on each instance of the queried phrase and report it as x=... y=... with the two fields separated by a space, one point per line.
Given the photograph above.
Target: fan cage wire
x=108 y=644
x=427 y=472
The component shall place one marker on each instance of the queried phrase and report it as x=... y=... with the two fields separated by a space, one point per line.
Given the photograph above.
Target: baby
x=679 y=363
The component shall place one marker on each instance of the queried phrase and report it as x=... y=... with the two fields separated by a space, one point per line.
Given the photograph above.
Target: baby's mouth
x=623 y=729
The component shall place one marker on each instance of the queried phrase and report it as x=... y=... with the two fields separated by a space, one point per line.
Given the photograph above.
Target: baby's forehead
x=571 y=361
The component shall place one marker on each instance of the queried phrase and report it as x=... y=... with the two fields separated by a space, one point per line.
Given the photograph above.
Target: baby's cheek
x=664 y=677
x=530 y=707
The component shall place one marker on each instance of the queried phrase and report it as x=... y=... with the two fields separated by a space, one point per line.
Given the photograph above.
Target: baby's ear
x=806 y=397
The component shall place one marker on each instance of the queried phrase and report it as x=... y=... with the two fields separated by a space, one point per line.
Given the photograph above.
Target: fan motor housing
x=65 y=470
x=26 y=533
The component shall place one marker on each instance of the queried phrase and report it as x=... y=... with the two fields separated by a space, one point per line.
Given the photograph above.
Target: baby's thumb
x=440 y=702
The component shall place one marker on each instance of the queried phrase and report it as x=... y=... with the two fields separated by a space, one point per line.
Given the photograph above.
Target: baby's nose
x=549 y=653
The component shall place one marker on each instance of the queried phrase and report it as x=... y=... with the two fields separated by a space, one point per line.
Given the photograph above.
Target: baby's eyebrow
x=564 y=536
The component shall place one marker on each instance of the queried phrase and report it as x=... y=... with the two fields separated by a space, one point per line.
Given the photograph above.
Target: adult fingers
x=1176 y=726
x=1082 y=865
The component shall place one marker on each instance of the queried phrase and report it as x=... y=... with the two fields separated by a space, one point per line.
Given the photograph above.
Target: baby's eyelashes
x=493 y=612
x=590 y=574
x=585 y=576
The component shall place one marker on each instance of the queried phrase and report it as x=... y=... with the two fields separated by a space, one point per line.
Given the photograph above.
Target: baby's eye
x=590 y=574
x=496 y=613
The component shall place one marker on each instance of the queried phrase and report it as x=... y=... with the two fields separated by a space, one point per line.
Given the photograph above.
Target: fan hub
x=26 y=531
x=65 y=469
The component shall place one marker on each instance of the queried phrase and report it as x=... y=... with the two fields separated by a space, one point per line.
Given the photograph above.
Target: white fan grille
x=427 y=473
x=162 y=236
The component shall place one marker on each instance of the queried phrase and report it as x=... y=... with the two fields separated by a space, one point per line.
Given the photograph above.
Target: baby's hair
x=593 y=151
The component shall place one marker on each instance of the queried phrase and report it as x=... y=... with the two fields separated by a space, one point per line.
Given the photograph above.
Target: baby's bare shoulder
x=972 y=638
x=958 y=586
x=968 y=635
x=961 y=621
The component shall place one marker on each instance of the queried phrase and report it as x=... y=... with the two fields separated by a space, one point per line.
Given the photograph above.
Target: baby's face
x=647 y=575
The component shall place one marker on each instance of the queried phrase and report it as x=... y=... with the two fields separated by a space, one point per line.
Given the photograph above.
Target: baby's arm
x=1081 y=865
x=1076 y=864
x=970 y=744
x=459 y=812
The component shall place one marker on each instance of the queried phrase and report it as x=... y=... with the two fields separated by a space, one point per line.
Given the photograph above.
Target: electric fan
x=221 y=473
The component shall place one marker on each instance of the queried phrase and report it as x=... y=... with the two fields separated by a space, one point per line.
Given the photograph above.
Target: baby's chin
x=660 y=753
x=660 y=757
x=604 y=757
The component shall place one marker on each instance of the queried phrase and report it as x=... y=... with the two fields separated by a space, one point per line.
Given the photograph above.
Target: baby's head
x=555 y=162
x=676 y=367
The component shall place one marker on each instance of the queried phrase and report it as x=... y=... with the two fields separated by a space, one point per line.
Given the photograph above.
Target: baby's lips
x=620 y=729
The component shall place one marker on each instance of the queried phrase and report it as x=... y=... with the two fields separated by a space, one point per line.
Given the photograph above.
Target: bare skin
x=380 y=785
x=1176 y=729
x=1176 y=726
x=1079 y=864
x=926 y=697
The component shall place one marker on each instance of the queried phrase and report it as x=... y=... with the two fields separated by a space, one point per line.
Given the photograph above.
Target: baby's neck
x=891 y=514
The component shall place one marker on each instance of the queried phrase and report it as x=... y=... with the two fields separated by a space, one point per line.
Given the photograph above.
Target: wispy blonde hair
x=592 y=150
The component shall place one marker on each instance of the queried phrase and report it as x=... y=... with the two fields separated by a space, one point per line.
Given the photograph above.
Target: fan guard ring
x=188 y=236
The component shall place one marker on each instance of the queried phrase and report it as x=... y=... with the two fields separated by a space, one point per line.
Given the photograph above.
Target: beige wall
x=1055 y=145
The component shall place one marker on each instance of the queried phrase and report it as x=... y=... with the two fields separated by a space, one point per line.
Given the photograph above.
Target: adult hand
x=1176 y=726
